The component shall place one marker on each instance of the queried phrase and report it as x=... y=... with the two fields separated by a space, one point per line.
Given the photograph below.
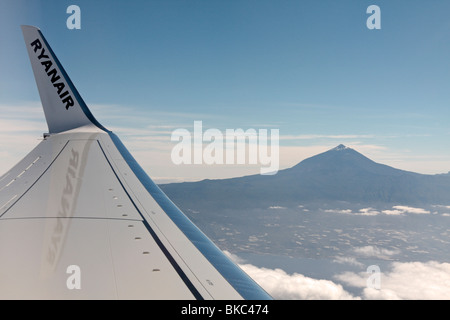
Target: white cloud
x=401 y=210
x=406 y=280
x=393 y=212
x=407 y=209
x=348 y=260
x=396 y=210
x=276 y=207
x=375 y=252
x=234 y=257
x=361 y=212
x=283 y=286
x=441 y=206
x=368 y=212
x=344 y=211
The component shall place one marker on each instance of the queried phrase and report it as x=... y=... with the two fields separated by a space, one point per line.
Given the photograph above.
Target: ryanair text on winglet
x=65 y=96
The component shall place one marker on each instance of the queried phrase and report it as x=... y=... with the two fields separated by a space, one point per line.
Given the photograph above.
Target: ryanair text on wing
x=65 y=96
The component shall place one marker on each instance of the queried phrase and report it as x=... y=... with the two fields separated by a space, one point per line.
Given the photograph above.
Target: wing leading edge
x=79 y=218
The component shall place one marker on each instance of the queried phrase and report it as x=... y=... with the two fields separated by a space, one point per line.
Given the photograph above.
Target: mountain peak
x=340 y=148
x=339 y=174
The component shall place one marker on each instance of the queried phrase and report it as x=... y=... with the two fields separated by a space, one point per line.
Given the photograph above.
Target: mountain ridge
x=339 y=174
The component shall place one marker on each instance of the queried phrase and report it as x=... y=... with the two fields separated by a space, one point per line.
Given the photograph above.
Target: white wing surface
x=80 y=219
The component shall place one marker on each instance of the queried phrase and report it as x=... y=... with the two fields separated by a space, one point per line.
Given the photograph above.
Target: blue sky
x=311 y=69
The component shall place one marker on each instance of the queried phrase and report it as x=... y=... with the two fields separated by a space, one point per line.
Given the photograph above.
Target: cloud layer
x=283 y=286
x=402 y=281
x=406 y=280
x=395 y=211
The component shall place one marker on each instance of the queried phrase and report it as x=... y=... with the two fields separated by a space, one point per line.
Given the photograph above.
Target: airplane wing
x=80 y=219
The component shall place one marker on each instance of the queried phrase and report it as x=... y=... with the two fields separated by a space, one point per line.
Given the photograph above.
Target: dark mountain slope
x=339 y=174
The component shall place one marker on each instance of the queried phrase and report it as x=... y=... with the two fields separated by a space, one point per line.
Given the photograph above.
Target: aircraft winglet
x=63 y=106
